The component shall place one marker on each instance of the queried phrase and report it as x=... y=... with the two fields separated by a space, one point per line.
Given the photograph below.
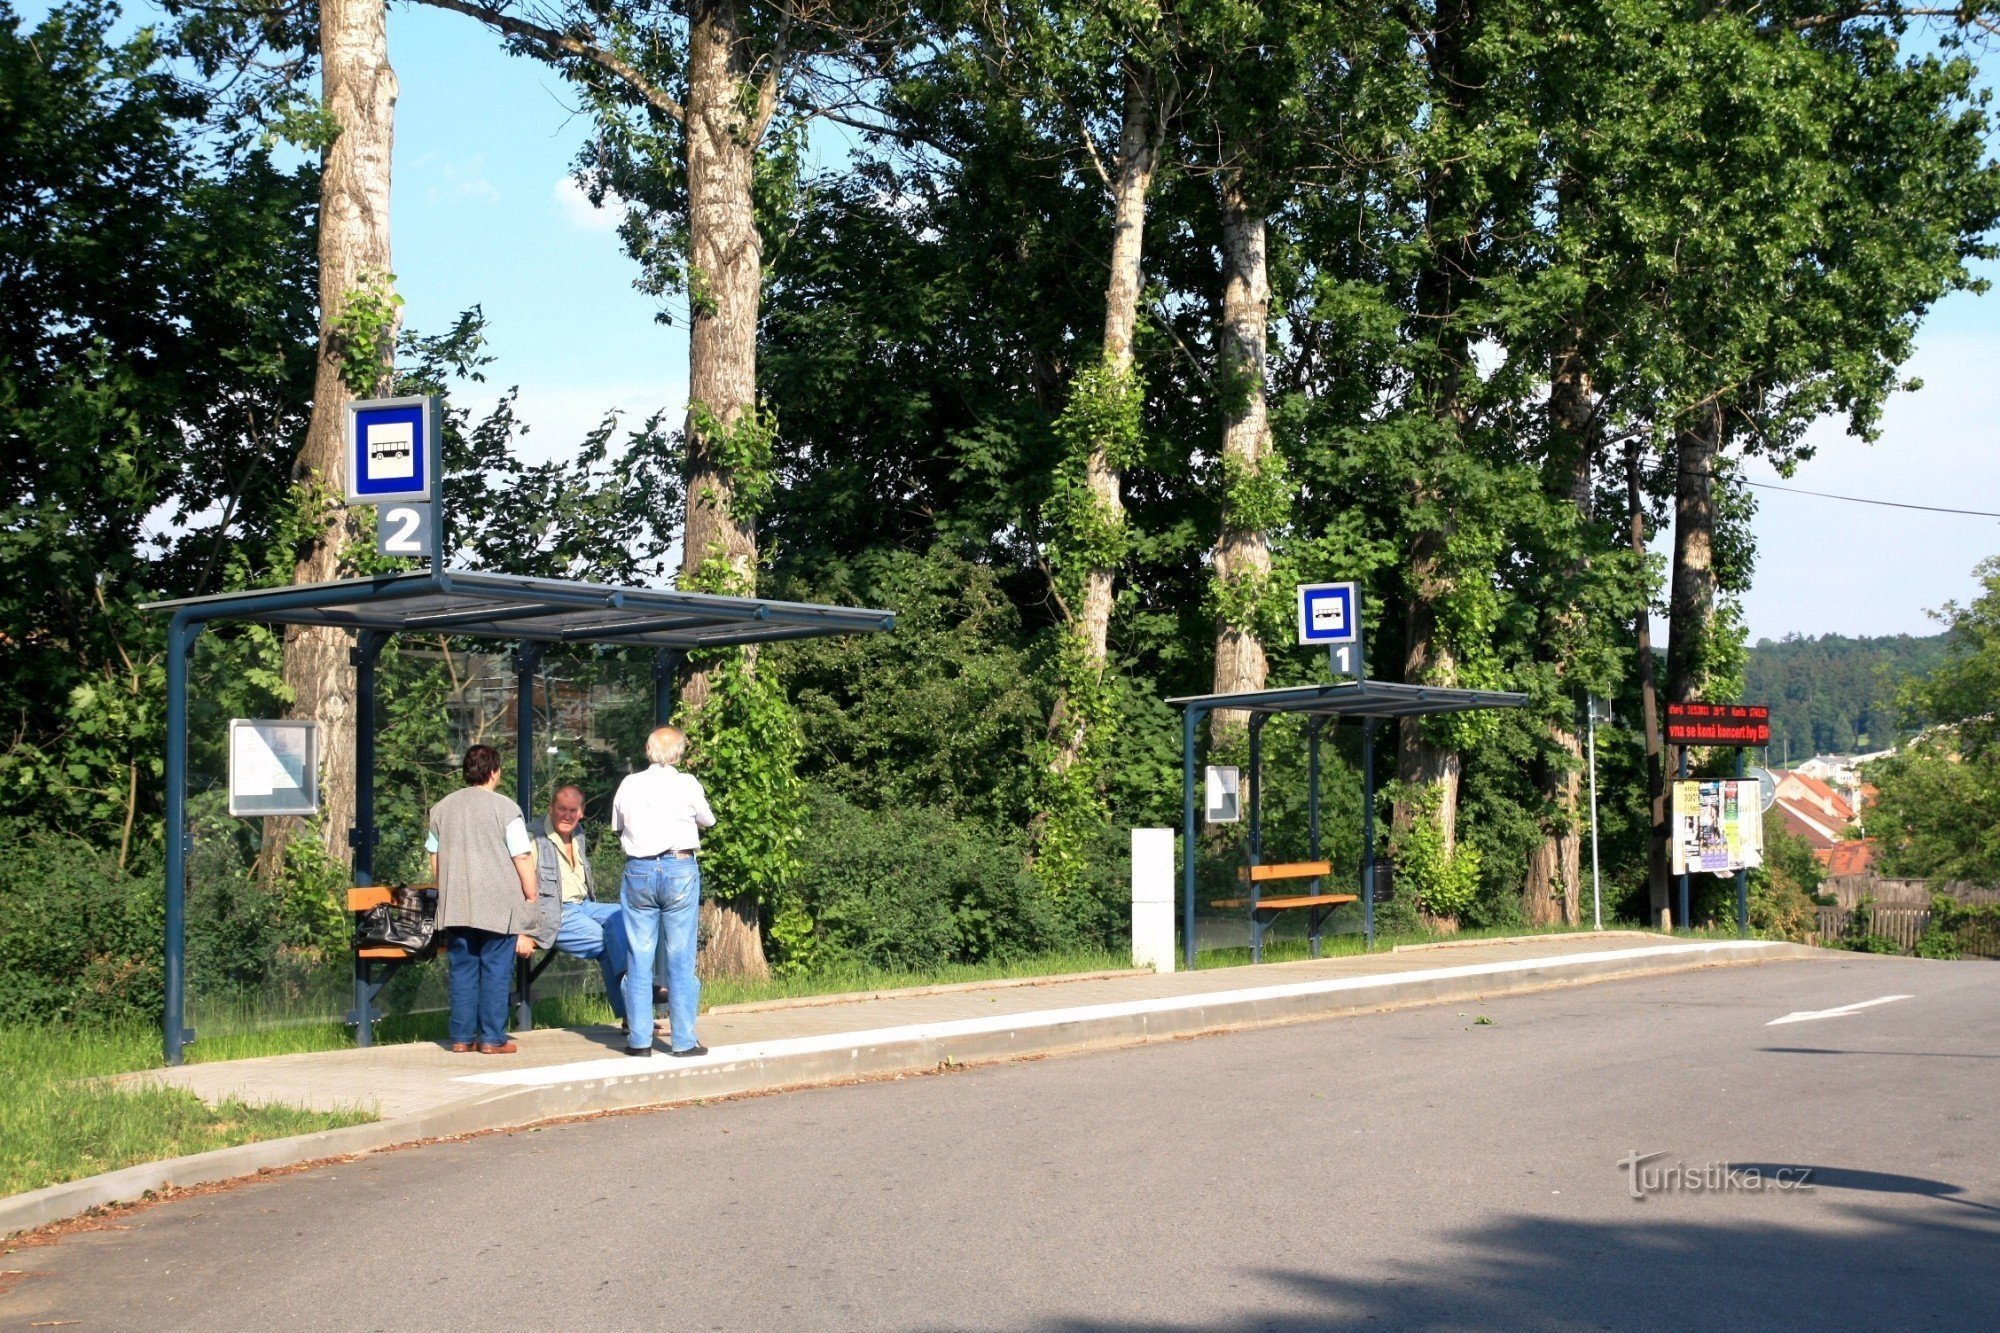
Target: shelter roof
x=519 y=607
x=1363 y=699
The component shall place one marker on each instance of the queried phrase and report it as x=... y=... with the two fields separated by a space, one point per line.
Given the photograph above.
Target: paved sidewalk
x=414 y=1079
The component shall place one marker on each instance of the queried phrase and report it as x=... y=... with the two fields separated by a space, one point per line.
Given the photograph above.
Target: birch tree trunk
x=359 y=90
x=1242 y=553
x=1138 y=155
x=725 y=290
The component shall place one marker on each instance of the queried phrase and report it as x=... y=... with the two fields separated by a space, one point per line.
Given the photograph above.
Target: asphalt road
x=1411 y=1169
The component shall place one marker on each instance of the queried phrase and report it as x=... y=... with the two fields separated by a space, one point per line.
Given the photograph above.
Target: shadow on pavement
x=1868 y=1269
x=1921 y=1055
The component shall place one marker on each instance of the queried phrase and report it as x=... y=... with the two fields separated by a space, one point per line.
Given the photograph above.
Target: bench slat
x=383 y=953
x=1286 y=870
x=1278 y=904
x=374 y=895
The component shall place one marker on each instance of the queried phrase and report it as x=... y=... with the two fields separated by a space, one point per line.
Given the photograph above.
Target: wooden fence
x=1849 y=890
x=1906 y=925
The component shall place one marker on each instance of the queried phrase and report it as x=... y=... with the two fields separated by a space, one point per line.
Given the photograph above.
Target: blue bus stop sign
x=392 y=450
x=1330 y=617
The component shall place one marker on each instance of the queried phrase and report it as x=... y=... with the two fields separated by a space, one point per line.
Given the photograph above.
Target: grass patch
x=57 y=1123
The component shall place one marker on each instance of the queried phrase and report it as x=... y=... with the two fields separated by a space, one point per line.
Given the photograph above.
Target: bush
x=1957 y=929
x=913 y=887
x=79 y=938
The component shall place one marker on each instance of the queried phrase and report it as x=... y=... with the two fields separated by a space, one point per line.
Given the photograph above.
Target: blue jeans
x=482 y=971
x=595 y=930
x=661 y=897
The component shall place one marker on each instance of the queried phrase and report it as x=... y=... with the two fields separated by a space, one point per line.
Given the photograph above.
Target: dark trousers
x=482 y=971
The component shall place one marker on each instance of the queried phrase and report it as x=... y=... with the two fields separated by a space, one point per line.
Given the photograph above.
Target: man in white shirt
x=658 y=816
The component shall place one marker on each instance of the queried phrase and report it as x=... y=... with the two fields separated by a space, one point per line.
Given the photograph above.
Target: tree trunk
x=1649 y=705
x=1138 y=152
x=725 y=292
x=1555 y=866
x=725 y=289
x=1242 y=555
x=359 y=90
x=732 y=945
x=1420 y=762
x=1691 y=612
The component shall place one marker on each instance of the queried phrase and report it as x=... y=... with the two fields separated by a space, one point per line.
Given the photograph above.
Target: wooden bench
x=374 y=966
x=1264 y=912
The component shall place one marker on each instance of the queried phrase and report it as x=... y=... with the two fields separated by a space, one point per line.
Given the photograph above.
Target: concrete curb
x=667 y=1083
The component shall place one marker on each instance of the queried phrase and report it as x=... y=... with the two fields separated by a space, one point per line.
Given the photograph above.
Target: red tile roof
x=1855 y=856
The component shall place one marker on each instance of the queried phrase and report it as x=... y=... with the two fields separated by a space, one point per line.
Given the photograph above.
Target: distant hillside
x=1833 y=694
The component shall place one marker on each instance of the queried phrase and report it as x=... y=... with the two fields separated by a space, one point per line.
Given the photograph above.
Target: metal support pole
x=181 y=636
x=1596 y=884
x=1742 y=872
x=1368 y=831
x=1189 y=721
x=527 y=656
x=1257 y=721
x=1684 y=922
x=666 y=666
x=362 y=836
x=1313 y=729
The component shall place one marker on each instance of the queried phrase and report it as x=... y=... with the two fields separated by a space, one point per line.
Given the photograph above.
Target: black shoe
x=696 y=1049
x=659 y=995
x=640 y=1050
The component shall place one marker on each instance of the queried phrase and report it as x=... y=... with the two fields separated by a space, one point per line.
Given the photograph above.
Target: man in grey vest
x=568 y=918
x=484 y=865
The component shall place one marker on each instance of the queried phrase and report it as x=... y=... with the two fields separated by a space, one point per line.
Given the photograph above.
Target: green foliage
x=156 y=360
x=744 y=744
x=1938 y=812
x=1956 y=929
x=362 y=337
x=915 y=888
x=1443 y=882
x=1832 y=694
x=1782 y=889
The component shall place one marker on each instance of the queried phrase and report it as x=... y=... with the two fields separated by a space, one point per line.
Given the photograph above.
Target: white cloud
x=462 y=182
x=578 y=211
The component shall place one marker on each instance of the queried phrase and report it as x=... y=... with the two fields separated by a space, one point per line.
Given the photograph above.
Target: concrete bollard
x=1153 y=898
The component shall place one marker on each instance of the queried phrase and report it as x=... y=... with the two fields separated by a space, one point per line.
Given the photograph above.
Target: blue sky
x=484 y=214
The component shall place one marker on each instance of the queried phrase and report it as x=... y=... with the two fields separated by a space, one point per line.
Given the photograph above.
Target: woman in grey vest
x=484 y=865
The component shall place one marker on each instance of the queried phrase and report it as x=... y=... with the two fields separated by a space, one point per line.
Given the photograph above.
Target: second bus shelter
x=1369 y=702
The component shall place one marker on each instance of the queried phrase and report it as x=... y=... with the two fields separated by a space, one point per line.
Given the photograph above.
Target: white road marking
x=1808 y=1015
x=618 y=1066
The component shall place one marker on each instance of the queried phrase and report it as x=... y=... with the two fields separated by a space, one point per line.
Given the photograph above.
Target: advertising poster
x=1717 y=827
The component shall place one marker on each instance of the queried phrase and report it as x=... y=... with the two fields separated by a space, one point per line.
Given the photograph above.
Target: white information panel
x=1224 y=803
x=273 y=767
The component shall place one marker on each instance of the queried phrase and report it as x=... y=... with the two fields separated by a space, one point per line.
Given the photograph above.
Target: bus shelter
x=1368 y=702
x=531 y=613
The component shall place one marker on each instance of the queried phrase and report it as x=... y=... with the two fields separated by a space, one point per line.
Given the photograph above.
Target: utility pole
x=1590 y=711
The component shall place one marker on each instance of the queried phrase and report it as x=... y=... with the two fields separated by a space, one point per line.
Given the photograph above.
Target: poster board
x=1717 y=827
x=273 y=767
x=1224 y=794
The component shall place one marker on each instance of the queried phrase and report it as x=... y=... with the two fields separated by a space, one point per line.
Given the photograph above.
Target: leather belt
x=675 y=852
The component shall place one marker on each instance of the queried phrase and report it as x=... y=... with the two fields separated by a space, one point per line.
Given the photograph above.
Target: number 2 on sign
x=401 y=526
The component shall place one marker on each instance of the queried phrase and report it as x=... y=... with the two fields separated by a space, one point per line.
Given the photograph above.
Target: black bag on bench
x=409 y=922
